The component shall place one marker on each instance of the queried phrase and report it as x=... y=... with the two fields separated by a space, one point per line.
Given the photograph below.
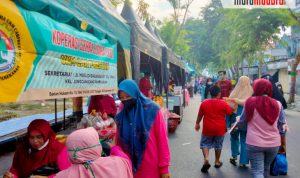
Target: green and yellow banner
x=41 y=58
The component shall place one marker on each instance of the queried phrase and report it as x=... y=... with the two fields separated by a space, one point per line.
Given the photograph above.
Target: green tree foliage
x=200 y=51
x=226 y=37
x=168 y=34
x=180 y=10
x=200 y=36
x=142 y=10
x=243 y=34
x=116 y=2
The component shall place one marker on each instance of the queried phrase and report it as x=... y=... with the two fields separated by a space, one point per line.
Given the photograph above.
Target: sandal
x=243 y=166
x=233 y=161
x=219 y=165
x=205 y=168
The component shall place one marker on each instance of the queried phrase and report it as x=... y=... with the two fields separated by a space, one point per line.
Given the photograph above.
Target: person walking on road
x=208 y=84
x=276 y=94
x=266 y=128
x=224 y=84
x=242 y=91
x=213 y=112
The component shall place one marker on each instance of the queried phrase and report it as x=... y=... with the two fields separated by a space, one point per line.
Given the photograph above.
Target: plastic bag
x=280 y=165
x=88 y=121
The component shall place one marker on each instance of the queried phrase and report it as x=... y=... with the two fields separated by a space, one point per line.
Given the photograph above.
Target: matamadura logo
x=7 y=53
x=249 y=4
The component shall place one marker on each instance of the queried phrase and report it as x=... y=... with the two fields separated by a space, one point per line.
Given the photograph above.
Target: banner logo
x=7 y=52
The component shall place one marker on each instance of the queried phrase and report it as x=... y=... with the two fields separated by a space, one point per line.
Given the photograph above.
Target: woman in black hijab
x=208 y=84
x=276 y=93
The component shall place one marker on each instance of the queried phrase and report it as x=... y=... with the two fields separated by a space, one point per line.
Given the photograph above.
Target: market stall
x=177 y=85
x=124 y=65
x=146 y=55
x=174 y=81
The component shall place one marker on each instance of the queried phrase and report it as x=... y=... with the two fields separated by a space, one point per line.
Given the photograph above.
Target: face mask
x=45 y=144
x=221 y=77
x=209 y=83
x=129 y=104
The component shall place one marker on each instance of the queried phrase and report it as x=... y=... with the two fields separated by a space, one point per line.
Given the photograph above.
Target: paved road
x=187 y=158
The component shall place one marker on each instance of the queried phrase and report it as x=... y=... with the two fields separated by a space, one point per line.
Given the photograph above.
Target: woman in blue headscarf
x=142 y=133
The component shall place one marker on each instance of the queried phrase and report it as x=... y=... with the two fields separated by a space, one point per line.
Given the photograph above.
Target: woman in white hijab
x=242 y=91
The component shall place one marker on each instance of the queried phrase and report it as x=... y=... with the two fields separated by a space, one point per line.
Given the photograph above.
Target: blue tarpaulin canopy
x=189 y=68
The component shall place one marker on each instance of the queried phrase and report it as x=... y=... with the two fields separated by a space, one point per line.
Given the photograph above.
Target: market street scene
x=149 y=88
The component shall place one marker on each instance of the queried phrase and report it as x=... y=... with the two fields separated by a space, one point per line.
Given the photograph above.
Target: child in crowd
x=102 y=122
x=213 y=112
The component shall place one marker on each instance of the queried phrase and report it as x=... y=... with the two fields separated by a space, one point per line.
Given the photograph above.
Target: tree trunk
x=294 y=67
x=293 y=79
x=179 y=29
x=260 y=69
x=248 y=71
x=236 y=69
x=242 y=70
x=261 y=63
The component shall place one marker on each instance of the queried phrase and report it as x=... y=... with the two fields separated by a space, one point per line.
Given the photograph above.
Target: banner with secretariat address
x=41 y=58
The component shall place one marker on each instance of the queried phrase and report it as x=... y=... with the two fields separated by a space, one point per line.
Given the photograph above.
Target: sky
x=162 y=9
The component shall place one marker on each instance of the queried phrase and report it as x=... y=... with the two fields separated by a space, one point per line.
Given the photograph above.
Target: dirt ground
x=21 y=109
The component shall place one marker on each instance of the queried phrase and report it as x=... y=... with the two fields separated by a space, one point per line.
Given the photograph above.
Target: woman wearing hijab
x=276 y=94
x=266 y=127
x=186 y=96
x=40 y=150
x=237 y=98
x=142 y=133
x=84 y=152
x=103 y=104
x=208 y=84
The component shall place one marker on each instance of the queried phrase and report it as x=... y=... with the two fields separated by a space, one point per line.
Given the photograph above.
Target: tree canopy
x=226 y=37
x=220 y=37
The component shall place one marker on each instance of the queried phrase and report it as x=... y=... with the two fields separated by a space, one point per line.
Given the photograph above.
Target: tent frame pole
x=64 y=114
x=55 y=110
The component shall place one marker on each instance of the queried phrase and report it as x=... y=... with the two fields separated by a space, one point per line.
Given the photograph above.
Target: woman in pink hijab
x=84 y=151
